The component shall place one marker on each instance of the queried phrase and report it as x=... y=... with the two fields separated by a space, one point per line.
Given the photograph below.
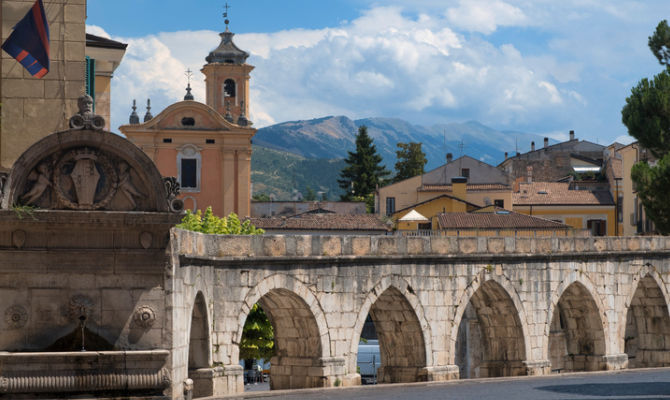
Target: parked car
x=369 y=360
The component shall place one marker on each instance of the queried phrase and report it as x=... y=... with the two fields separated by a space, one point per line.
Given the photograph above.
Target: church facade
x=206 y=146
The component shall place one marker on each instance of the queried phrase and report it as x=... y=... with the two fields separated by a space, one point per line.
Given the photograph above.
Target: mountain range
x=309 y=153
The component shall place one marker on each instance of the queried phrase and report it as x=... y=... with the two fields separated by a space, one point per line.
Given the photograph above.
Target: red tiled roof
x=558 y=193
x=333 y=222
x=495 y=220
x=471 y=187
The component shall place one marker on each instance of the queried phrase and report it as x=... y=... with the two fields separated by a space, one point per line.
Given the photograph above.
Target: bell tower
x=227 y=79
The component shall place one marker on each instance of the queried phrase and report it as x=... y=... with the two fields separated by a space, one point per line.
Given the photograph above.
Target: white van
x=369 y=360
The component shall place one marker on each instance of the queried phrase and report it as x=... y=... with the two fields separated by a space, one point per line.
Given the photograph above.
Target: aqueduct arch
x=576 y=328
x=646 y=334
x=401 y=328
x=300 y=331
x=490 y=338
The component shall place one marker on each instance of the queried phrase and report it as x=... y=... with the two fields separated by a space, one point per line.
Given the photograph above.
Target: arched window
x=229 y=88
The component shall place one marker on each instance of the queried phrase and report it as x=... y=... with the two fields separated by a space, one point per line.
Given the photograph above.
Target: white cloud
x=625 y=139
x=427 y=66
x=485 y=16
x=97 y=31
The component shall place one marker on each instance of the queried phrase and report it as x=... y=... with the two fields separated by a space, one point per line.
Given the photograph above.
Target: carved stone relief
x=145 y=317
x=16 y=317
x=83 y=179
x=80 y=306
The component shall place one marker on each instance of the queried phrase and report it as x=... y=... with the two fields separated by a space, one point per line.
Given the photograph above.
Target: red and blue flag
x=29 y=42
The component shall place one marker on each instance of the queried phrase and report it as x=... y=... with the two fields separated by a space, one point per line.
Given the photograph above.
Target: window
x=167 y=140
x=424 y=226
x=210 y=141
x=229 y=88
x=188 y=121
x=598 y=227
x=390 y=205
x=189 y=173
x=188 y=168
x=499 y=203
x=619 y=209
x=90 y=78
x=465 y=172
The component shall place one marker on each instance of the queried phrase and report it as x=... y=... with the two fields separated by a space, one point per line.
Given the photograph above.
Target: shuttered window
x=90 y=78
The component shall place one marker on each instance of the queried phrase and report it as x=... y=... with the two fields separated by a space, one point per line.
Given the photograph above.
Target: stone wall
x=318 y=291
x=31 y=107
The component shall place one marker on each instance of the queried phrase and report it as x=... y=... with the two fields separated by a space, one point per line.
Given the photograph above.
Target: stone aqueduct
x=159 y=311
x=442 y=307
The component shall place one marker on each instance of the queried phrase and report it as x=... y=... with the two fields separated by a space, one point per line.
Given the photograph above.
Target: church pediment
x=186 y=115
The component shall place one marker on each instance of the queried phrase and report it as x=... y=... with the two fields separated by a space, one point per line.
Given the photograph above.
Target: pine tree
x=364 y=170
x=647 y=117
x=411 y=160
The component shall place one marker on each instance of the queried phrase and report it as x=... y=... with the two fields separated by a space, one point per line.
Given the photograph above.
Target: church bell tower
x=227 y=79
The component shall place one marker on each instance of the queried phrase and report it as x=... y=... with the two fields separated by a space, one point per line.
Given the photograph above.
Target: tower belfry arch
x=227 y=77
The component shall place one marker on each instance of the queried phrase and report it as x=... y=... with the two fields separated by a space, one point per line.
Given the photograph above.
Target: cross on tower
x=225 y=14
x=188 y=74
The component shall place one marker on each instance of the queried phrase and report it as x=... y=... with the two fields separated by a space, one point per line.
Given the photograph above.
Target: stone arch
x=575 y=331
x=646 y=333
x=495 y=311
x=301 y=333
x=199 y=347
x=402 y=330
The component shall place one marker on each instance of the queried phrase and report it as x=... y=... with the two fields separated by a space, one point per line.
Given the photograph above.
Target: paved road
x=625 y=385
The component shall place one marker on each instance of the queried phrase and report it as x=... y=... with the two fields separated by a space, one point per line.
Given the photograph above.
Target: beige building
x=486 y=185
x=561 y=202
x=32 y=107
x=634 y=218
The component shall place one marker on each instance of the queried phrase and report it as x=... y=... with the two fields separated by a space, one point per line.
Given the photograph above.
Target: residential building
x=206 y=146
x=103 y=56
x=261 y=209
x=633 y=215
x=561 y=202
x=486 y=185
x=552 y=163
x=493 y=221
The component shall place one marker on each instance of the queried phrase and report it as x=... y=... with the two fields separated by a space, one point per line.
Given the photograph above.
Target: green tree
x=411 y=160
x=257 y=336
x=364 y=170
x=310 y=194
x=260 y=197
x=647 y=117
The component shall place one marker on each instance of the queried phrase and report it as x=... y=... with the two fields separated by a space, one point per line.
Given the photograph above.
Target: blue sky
x=537 y=66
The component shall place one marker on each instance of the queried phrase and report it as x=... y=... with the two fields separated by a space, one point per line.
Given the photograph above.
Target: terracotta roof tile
x=495 y=220
x=558 y=193
x=474 y=187
x=334 y=222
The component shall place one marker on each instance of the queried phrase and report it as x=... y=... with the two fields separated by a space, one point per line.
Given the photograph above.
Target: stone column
x=305 y=372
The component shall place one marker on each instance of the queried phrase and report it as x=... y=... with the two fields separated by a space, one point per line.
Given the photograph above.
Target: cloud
x=485 y=16
x=539 y=66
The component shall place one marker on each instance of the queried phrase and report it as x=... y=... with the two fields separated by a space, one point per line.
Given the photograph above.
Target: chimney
x=459 y=188
x=529 y=170
x=532 y=146
x=449 y=157
x=572 y=135
x=546 y=142
x=505 y=155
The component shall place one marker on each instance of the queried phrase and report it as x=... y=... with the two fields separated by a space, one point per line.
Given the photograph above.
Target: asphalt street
x=624 y=385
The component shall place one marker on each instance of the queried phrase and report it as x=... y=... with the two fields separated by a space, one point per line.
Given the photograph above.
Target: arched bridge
x=442 y=307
